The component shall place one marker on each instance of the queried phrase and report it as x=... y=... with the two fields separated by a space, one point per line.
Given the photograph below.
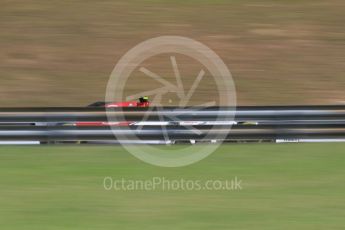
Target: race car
x=141 y=102
x=144 y=102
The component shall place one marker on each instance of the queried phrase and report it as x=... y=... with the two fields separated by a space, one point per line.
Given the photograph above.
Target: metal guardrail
x=71 y=133
x=171 y=113
x=263 y=123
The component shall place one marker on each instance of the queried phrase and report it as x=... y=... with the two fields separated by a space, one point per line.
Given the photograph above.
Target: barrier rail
x=171 y=113
x=251 y=123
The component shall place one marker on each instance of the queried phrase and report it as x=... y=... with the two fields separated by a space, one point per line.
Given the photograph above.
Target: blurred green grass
x=61 y=53
x=287 y=186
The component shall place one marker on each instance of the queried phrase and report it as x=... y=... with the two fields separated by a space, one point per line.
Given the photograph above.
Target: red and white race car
x=142 y=102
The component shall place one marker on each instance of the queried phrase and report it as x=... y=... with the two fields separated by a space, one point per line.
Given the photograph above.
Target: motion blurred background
x=61 y=53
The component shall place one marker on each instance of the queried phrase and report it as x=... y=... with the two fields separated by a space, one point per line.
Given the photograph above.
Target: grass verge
x=288 y=186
